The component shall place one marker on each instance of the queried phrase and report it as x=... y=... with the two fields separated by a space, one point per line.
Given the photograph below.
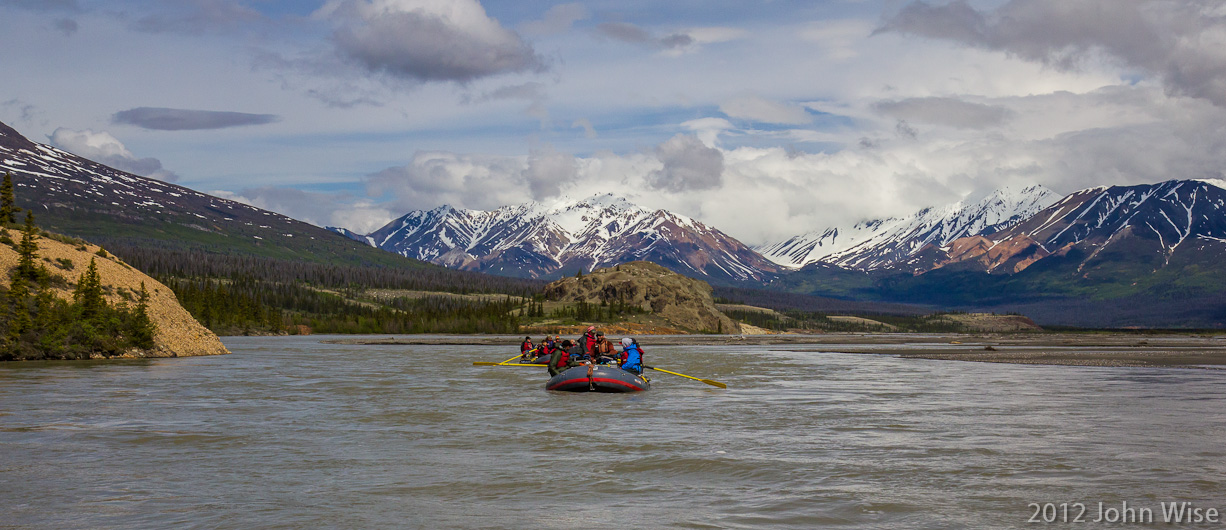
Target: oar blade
x=484 y=363
x=707 y=381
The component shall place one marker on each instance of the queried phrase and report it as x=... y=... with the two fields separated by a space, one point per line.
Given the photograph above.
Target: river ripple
x=291 y=433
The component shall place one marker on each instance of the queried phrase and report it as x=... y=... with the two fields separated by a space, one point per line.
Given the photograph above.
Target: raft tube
x=604 y=379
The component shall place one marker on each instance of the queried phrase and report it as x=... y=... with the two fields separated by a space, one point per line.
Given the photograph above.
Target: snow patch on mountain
x=541 y=238
x=883 y=243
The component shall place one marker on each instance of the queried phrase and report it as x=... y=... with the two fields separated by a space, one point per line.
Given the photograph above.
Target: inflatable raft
x=604 y=378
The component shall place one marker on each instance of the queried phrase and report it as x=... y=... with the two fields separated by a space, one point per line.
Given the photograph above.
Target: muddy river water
x=289 y=432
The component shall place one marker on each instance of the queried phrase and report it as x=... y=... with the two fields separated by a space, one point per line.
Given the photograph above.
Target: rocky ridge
x=684 y=302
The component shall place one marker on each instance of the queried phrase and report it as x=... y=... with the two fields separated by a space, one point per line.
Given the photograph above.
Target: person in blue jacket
x=632 y=356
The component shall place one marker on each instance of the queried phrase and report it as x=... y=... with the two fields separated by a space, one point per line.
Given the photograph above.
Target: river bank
x=1072 y=349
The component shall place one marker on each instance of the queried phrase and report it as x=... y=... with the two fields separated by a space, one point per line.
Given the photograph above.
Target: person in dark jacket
x=561 y=358
x=632 y=356
x=603 y=352
x=526 y=350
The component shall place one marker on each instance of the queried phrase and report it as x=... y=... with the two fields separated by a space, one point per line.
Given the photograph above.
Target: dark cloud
x=163 y=119
x=624 y=32
x=636 y=35
x=1176 y=41
x=689 y=165
x=905 y=130
x=679 y=40
x=197 y=17
x=423 y=46
x=67 y=26
x=944 y=111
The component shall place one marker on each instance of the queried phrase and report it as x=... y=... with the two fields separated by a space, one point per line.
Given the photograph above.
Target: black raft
x=603 y=379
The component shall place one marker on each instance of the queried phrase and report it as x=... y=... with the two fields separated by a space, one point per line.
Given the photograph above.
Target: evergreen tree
x=88 y=294
x=8 y=201
x=19 y=320
x=140 y=327
x=27 y=250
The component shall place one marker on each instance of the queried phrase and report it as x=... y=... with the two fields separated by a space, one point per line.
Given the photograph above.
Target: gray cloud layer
x=689 y=165
x=163 y=119
x=944 y=111
x=636 y=35
x=198 y=16
x=422 y=46
x=1178 y=41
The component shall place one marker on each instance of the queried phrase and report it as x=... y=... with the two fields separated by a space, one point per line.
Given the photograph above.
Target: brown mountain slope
x=178 y=334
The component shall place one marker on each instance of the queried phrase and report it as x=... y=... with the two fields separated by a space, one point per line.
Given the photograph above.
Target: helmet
x=627 y=341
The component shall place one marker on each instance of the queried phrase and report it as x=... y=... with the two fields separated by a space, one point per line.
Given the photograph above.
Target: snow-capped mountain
x=888 y=243
x=1146 y=225
x=540 y=240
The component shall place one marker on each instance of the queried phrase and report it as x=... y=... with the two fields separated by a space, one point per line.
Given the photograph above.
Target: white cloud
x=708 y=129
x=104 y=148
x=320 y=209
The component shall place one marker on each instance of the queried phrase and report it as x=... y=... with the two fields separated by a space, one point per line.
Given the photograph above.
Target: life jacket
x=526 y=346
x=603 y=348
x=632 y=358
x=589 y=342
x=563 y=359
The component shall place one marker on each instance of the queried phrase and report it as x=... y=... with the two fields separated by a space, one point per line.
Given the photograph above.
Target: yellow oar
x=513 y=358
x=480 y=363
x=707 y=381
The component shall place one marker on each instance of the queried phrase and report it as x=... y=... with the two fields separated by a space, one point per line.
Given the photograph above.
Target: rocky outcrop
x=684 y=302
x=178 y=334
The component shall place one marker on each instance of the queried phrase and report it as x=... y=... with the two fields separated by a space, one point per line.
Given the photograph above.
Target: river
x=289 y=432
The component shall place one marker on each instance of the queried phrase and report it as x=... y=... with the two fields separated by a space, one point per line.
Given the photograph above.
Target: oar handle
x=707 y=381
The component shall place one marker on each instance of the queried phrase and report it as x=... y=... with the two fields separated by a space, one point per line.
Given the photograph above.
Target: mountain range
x=1146 y=255
x=567 y=236
x=889 y=243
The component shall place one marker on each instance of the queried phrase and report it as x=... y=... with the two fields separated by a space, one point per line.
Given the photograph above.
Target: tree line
x=249 y=305
x=36 y=324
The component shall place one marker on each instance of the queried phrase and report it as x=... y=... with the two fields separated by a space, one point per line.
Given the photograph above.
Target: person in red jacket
x=588 y=341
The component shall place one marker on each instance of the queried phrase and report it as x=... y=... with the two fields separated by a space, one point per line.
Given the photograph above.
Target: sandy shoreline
x=1074 y=349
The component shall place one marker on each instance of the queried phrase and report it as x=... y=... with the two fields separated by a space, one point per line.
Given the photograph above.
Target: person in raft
x=588 y=341
x=561 y=358
x=603 y=352
x=632 y=356
x=579 y=353
x=525 y=349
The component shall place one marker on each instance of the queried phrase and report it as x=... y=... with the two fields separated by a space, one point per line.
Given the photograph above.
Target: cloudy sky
x=764 y=118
